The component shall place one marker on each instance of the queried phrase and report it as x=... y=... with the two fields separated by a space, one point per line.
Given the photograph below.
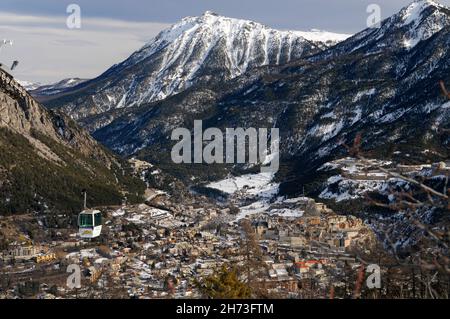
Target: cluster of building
x=163 y=249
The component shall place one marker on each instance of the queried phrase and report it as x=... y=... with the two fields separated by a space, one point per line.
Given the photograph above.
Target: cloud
x=48 y=51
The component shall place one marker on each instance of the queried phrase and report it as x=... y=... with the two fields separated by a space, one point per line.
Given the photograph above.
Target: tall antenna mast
x=85 y=199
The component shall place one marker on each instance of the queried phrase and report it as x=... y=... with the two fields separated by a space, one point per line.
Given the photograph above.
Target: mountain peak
x=213 y=19
x=227 y=28
x=210 y=13
x=414 y=11
x=424 y=18
x=199 y=36
x=413 y=24
x=197 y=50
x=423 y=4
x=426 y=2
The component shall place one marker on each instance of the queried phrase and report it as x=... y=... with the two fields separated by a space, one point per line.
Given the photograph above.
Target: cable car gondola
x=90 y=223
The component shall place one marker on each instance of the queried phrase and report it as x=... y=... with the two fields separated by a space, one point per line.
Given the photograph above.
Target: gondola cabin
x=90 y=223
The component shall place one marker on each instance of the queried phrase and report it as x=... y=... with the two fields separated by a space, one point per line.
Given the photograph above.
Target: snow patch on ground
x=364 y=93
x=261 y=191
x=252 y=184
x=340 y=188
x=264 y=206
x=323 y=36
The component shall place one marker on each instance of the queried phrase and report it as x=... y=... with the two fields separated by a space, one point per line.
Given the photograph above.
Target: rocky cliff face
x=46 y=159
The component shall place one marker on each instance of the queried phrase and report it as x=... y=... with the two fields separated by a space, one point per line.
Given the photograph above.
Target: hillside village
x=163 y=249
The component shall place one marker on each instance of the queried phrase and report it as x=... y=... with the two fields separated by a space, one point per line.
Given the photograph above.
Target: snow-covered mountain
x=418 y=22
x=198 y=50
x=29 y=86
x=54 y=88
x=374 y=83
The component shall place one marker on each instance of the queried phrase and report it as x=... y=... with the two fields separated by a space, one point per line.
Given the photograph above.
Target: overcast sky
x=111 y=30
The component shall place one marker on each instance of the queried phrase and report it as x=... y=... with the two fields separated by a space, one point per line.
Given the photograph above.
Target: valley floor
x=162 y=249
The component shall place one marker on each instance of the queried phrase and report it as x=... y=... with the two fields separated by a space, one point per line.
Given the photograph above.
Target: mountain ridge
x=197 y=50
x=40 y=91
x=392 y=96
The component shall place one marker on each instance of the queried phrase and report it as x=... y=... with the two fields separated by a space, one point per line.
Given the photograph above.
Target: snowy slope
x=420 y=29
x=55 y=88
x=260 y=185
x=329 y=38
x=415 y=23
x=29 y=86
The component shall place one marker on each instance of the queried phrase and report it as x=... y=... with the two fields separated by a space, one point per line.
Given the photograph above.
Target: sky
x=111 y=30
